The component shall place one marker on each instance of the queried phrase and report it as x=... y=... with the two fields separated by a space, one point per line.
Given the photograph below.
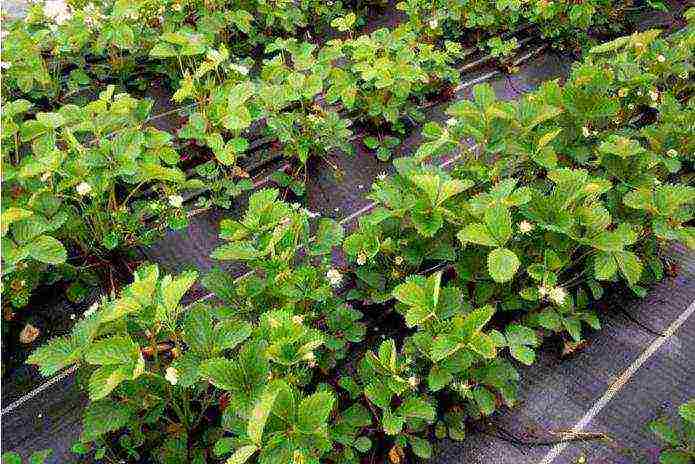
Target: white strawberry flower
x=398 y=260
x=382 y=176
x=672 y=153
x=557 y=295
x=661 y=58
x=525 y=227
x=57 y=10
x=92 y=309
x=334 y=277
x=176 y=201
x=83 y=188
x=240 y=68
x=361 y=259
x=172 y=375
x=586 y=132
x=433 y=23
x=451 y=122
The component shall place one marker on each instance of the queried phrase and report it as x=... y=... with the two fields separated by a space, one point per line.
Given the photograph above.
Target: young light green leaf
x=242 y=454
x=499 y=222
x=478 y=234
x=47 y=250
x=502 y=264
x=314 y=411
x=259 y=415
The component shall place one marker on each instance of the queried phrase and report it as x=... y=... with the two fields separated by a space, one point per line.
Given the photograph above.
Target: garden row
x=567 y=193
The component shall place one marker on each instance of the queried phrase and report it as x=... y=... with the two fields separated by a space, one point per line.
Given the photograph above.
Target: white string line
x=65 y=373
x=616 y=386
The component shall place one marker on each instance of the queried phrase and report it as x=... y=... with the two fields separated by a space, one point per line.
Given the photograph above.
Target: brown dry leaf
x=28 y=334
x=570 y=348
x=8 y=314
x=241 y=173
x=396 y=454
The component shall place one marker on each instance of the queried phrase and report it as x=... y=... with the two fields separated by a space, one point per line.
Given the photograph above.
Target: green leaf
x=51 y=120
x=11 y=458
x=47 y=250
x=11 y=215
x=605 y=266
x=476 y=233
x=230 y=333
x=413 y=292
x=362 y=444
x=329 y=234
x=630 y=266
x=115 y=350
x=427 y=222
x=520 y=338
x=523 y=354
x=438 y=378
x=236 y=251
x=392 y=423
x=242 y=455
x=520 y=335
x=484 y=399
x=174 y=290
x=102 y=417
x=39 y=457
x=220 y=373
x=687 y=411
x=421 y=448
x=55 y=355
x=502 y=264
x=443 y=347
x=162 y=50
x=499 y=222
x=484 y=345
x=549 y=319
x=104 y=380
x=417 y=408
x=314 y=411
x=476 y=320
x=259 y=415
x=199 y=331
x=622 y=147
x=675 y=457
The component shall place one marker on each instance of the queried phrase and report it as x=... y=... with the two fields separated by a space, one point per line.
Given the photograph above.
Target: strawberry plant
x=76 y=177
x=678 y=439
x=382 y=145
x=387 y=68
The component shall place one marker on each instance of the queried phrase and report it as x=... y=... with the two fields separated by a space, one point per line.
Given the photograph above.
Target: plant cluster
x=572 y=190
